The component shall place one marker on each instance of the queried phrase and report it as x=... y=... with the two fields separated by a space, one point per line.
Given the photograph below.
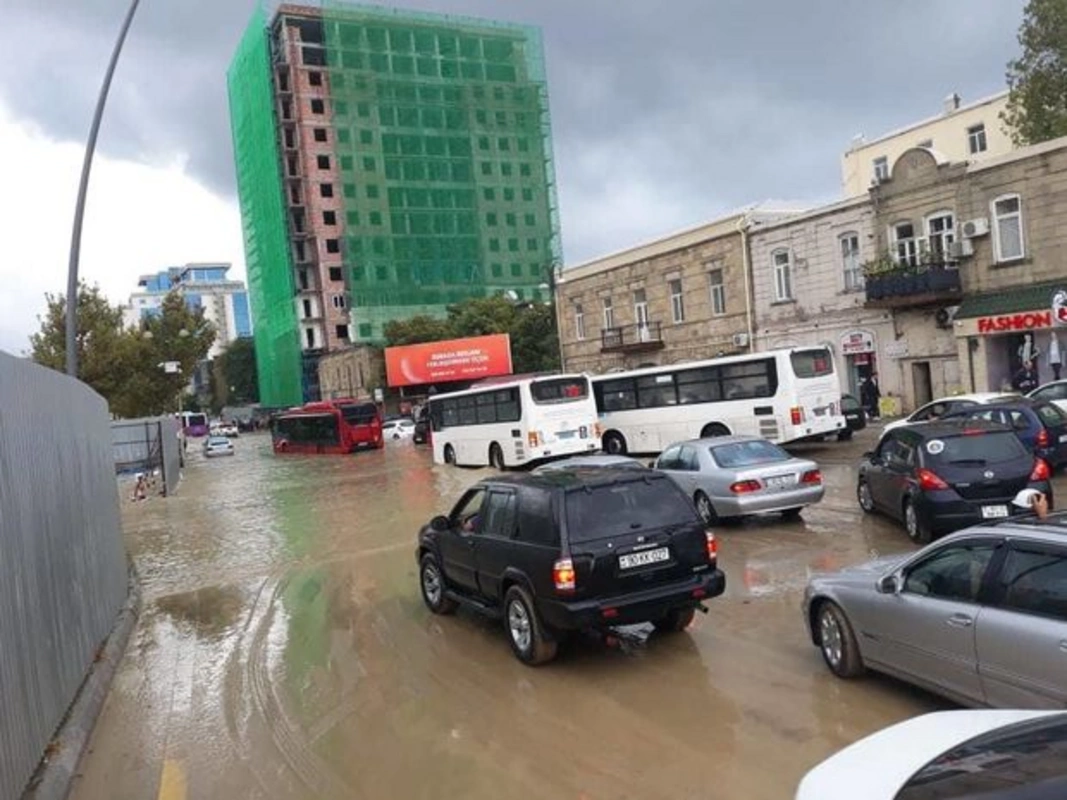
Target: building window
x=881 y=169
x=342 y=332
x=850 y=261
x=319 y=134
x=609 y=314
x=333 y=245
x=336 y=274
x=940 y=233
x=318 y=107
x=366 y=330
x=329 y=217
x=323 y=162
x=976 y=141
x=783 y=275
x=677 y=301
x=905 y=245
x=326 y=189
x=579 y=322
x=338 y=301
x=309 y=334
x=1008 y=244
x=641 y=314
x=315 y=78
x=718 y=293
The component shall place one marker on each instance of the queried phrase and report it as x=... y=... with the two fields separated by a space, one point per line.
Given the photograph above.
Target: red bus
x=329 y=428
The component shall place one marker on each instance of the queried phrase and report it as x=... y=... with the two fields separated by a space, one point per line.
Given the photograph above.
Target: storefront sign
x=857 y=342
x=1059 y=307
x=1015 y=322
x=896 y=350
x=454 y=360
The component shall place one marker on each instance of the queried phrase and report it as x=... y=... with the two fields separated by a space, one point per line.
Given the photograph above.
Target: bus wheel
x=496 y=457
x=614 y=443
x=713 y=430
x=450 y=455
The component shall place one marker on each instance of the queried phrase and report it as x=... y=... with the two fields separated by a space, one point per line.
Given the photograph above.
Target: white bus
x=780 y=395
x=514 y=421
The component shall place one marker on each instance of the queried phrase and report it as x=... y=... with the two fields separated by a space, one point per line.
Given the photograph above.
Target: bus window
x=699 y=386
x=619 y=395
x=560 y=390
x=654 y=391
x=812 y=363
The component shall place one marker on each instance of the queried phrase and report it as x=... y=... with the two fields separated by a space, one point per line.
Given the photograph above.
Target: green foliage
x=234 y=374
x=1037 y=80
x=121 y=364
x=415 y=330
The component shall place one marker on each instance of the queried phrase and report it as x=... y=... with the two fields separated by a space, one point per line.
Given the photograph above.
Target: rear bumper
x=763 y=504
x=947 y=514
x=629 y=609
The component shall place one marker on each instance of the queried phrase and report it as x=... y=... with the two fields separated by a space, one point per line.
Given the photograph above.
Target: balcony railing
x=929 y=283
x=631 y=338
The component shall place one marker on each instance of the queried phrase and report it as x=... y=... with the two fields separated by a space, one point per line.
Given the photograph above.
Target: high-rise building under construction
x=389 y=164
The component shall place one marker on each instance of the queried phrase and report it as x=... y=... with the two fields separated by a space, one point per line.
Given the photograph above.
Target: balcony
x=638 y=338
x=901 y=285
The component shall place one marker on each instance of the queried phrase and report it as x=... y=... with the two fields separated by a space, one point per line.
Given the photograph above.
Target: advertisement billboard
x=452 y=360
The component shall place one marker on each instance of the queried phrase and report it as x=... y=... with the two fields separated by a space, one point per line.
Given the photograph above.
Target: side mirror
x=890 y=584
x=440 y=524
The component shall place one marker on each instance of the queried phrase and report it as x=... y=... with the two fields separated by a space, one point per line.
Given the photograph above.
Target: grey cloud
x=695 y=106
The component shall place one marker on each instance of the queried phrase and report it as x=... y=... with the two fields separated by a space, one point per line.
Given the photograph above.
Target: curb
x=54 y=777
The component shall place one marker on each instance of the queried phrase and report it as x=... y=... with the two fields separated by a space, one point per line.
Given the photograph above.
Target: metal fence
x=146 y=445
x=63 y=570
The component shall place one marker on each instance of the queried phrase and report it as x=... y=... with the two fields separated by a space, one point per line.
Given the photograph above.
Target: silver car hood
x=862 y=573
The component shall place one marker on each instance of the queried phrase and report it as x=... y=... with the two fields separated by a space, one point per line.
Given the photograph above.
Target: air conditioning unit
x=974 y=228
x=740 y=340
x=964 y=248
x=945 y=317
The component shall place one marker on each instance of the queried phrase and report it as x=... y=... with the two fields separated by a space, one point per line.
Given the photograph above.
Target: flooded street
x=284 y=652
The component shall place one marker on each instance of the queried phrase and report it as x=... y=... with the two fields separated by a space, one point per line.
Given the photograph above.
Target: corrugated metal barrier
x=63 y=571
x=146 y=445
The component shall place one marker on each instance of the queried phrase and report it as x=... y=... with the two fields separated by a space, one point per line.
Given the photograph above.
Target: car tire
x=713 y=430
x=496 y=457
x=450 y=455
x=614 y=444
x=432 y=585
x=792 y=514
x=864 y=496
x=524 y=629
x=677 y=620
x=837 y=642
x=918 y=532
x=705 y=508
x=844 y=436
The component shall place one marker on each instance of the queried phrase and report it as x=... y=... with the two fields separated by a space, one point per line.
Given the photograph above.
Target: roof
x=1008 y=301
x=577 y=478
x=717 y=440
x=1052 y=529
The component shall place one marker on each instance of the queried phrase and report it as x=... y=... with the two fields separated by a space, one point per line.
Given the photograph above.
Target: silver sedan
x=730 y=477
x=979 y=616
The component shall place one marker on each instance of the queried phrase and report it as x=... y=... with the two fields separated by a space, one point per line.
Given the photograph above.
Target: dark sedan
x=855 y=417
x=938 y=477
x=1040 y=425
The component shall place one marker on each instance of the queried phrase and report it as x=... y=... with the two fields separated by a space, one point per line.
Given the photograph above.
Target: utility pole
x=79 y=206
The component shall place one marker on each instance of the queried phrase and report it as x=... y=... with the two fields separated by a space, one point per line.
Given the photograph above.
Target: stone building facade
x=353 y=372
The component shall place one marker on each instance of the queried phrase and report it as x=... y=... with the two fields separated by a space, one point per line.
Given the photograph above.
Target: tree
x=415 y=330
x=534 y=339
x=1037 y=80
x=481 y=316
x=235 y=374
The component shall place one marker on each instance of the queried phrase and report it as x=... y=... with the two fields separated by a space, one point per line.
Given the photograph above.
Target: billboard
x=452 y=360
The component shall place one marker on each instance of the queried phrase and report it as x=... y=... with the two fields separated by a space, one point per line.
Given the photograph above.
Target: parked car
x=1039 y=424
x=938 y=477
x=948 y=405
x=1007 y=755
x=855 y=417
x=396 y=429
x=730 y=477
x=570 y=550
x=228 y=430
x=218 y=446
x=596 y=460
x=421 y=434
x=979 y=617
x=1054 y=392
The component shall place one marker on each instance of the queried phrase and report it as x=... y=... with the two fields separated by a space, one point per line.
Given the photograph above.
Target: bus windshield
x=559 y=390
x=812 y=363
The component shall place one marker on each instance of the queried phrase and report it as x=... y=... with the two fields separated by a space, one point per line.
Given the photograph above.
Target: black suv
x=554 y=552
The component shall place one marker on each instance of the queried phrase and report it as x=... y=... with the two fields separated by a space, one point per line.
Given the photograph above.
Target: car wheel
x=713 y=430
x=677 y=620
x=525 y=631
x=837 y=642
x=792 y=514
x=917 y=531
x=614 y=444
x=705 y=508
x=496 y=457
x=432 y=583
x=844 y=435
x=450 y=455
x=863 y=495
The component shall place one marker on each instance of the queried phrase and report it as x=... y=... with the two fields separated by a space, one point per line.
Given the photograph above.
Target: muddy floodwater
x=283 y=651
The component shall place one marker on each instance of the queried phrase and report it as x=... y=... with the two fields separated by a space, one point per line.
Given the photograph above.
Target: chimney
x=952 y=103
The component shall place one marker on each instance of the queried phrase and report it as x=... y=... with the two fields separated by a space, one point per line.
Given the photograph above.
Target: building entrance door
x=921 y=383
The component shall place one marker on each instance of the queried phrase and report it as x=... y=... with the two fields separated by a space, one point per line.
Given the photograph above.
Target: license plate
x=644 y=559
x=565 y=435
x=778 y=482
x=821 y=411
x=994 y=512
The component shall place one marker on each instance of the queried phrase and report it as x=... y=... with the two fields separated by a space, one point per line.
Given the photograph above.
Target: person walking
x=1025 y=379
x=870 y=396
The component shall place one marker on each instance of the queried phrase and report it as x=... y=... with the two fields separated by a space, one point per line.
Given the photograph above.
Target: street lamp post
x=79 y=206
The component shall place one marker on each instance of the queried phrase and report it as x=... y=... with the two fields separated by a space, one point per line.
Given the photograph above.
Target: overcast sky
x=664 y=115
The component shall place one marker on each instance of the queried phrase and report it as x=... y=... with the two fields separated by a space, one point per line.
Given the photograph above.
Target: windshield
x=196 y=419
x=984 y=447
x=1051 y=415
x=624 y=508
x=812 y=363
x=559 y=390
x=849 y=403
x=747 y=454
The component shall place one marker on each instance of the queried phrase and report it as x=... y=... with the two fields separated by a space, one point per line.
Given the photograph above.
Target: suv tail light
x=563 y=575
x=796 y=415
x=712 y=546
x=1042 y=438
x=811 y=476
x=1041 y=470
x=744 y=487
x=930 y=481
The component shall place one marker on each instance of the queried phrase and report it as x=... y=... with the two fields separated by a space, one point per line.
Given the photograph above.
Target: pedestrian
x=1054 y=359
x=140 y=490
x=1025 y=379
x=870 y=396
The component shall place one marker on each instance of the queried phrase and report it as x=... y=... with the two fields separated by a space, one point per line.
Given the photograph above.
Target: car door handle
x=960 y=621
x=1063 y=646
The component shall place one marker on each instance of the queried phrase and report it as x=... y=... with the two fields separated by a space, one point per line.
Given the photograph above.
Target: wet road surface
x=284 y=652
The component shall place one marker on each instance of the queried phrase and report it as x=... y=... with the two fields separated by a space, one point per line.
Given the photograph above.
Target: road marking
x=172 y=783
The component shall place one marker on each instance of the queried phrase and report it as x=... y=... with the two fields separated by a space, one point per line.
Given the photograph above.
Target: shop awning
x=1037 y=297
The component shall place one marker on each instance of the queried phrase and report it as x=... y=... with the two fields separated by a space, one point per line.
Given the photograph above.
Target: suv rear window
x=559 y=390
x=987 y=447
x=812 y=363
x=621 y=508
